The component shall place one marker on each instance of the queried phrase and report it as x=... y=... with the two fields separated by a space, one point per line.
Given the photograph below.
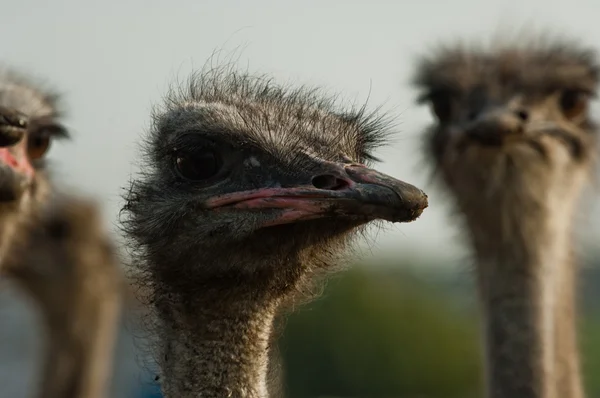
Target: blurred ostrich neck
x=215 y=338
x=526 y=275
x=12 y=225
x=78 y=361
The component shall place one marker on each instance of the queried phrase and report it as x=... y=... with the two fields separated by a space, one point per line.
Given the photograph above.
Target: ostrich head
x=512 y=123
x=242 y=175
x=28 y=123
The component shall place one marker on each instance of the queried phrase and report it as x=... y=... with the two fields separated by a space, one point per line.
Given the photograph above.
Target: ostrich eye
x=573 y=103
x=441 y=104
x=198 y=165
x=37 y=146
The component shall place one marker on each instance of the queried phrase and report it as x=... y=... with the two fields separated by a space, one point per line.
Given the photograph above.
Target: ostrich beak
x=14 y=179
x=345 y=190
x=371 y=192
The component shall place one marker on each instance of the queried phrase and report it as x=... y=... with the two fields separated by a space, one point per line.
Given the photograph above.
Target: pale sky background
x=114 y=59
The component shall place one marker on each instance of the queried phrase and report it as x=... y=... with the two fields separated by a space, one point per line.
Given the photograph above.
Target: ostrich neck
x=526 y=276
x=80 y=304
x=78 y=359
x=215 y=344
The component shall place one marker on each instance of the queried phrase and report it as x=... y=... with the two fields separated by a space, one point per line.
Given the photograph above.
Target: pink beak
x=354 y=191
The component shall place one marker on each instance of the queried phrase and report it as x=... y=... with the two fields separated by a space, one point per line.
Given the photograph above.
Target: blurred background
x=403 y=321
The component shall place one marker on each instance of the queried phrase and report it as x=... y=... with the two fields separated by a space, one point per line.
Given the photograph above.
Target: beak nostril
x=523 y=115
x=330 y=182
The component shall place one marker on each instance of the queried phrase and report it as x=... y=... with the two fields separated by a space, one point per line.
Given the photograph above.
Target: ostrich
x=248 y=190
x=53 y=269
x=514 y=144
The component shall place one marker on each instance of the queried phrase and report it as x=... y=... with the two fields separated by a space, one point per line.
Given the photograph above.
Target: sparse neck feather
x=214 y=342
x=526 y=274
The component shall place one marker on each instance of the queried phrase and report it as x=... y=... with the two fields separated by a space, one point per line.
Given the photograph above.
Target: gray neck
x=216 y=347
x=526 y=282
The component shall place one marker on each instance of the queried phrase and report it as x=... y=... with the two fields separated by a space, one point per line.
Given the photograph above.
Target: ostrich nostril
x=523 y=115
x=472 y=115
x=328 y=181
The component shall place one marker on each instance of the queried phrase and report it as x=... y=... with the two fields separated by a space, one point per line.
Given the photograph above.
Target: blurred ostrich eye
x=198 y=165
x=37 y=146
x=441 y=104
x=573 y=103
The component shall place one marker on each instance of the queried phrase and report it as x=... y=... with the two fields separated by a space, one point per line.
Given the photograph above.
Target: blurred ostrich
x=249 y=189
x=79 y=316
x=514 y=144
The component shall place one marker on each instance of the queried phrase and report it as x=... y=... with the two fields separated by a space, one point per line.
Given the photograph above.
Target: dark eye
x=198 y=165
x=37 y=146
x=441 y=104
x=573 y=103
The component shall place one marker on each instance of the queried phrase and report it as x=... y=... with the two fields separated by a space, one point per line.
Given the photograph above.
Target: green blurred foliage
x=590 y=348
x=389 y=333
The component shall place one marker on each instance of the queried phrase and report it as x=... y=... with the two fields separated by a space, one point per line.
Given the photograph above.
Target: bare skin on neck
x=68 y=276
x=250 y=191
x=514 y=145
